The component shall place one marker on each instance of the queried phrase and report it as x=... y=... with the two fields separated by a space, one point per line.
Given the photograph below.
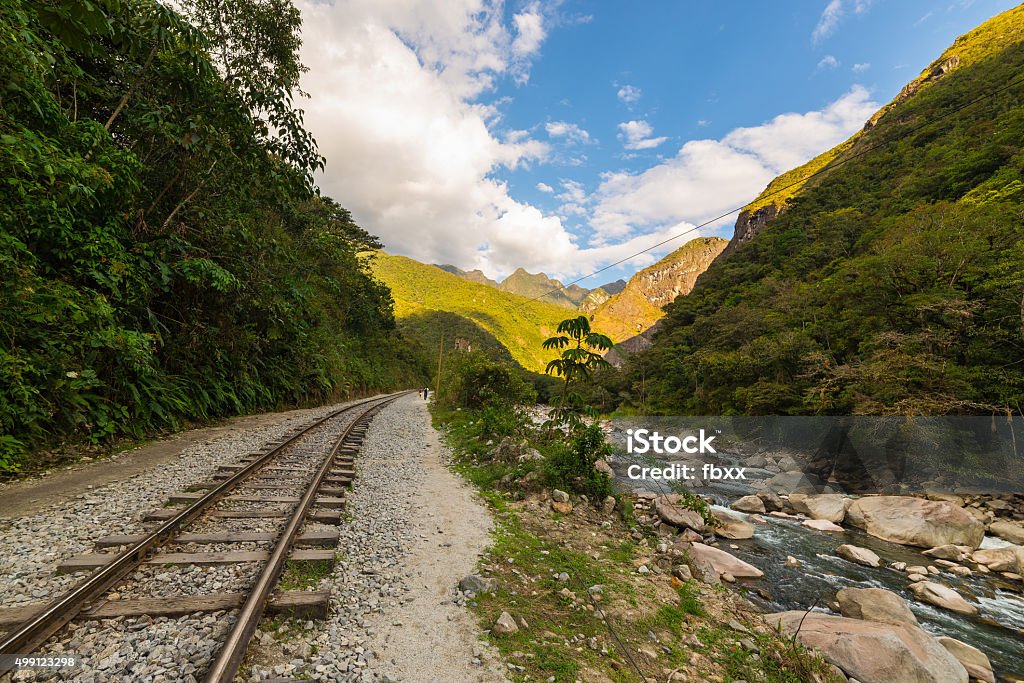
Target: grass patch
x=299 y=576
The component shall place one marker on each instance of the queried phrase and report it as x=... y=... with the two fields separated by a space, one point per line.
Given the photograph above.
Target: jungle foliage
x=164 y=253
x=893 y=283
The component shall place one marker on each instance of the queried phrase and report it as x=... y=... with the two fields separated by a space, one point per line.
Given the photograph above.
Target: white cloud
x=530 y=33
x=829 y=21
x=828 y=62
x=710 y=177
x=833 y=15
x=544 y=187
x=703 y=123
x=570 y=131
x=861 y=67
x=400 y=110
x=629 y=94
x=637 y=135
x=397 y=88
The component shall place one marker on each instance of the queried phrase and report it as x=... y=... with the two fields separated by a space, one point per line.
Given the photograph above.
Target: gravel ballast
x=141 y=648
x=414 y=529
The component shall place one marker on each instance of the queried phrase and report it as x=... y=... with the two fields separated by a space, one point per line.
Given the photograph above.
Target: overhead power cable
x=828 y=167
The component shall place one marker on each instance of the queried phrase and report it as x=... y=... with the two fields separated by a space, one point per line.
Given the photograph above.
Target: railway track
x=267 y=512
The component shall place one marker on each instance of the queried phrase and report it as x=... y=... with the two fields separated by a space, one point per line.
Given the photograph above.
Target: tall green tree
x=579 y=350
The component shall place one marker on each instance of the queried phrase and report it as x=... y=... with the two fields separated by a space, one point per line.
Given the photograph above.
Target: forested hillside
x=164 y=254
x=430 y=302
x=893 y=282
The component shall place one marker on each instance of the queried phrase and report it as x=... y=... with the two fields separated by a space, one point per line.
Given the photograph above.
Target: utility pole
x=440 y=353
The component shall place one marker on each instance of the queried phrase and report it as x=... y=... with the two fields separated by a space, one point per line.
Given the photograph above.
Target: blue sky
x=563 y=136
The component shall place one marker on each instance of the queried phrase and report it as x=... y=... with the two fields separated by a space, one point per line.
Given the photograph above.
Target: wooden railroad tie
x=95 y=560
x=324 y=516
x=299 y=604
x=326 y=538
x=322 y=501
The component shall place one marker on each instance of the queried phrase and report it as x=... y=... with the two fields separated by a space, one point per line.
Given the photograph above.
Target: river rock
x=822 y=525
x=875 y=604
x=915 y=521
x=756 y=461
x=731 y=527
x=974 y=660
x=830 y=506
x=608 y=505
x=560 y=507
x=672 y=510
x=794 y=482
x=1008 y=531
x=1006 y=559
x=942 y=596
x=949 y=552
x=751 y=504
x=873 y=652
x=859 y=555
x=505 y=624
x=703 y=558
x=474 y=583
x=771 y=500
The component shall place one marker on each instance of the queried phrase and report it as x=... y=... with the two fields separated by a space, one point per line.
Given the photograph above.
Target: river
x=998 y=629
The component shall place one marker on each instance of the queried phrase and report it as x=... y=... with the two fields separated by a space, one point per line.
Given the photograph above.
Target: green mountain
x=891 y=282
x=540 y=285
x=614 y=287
x=640 y=303
x=475 y=275
x=430 y=302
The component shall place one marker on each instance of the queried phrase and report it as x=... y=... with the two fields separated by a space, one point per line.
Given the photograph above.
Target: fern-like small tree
x=579 y=350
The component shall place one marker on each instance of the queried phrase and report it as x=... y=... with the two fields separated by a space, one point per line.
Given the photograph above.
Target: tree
x=578 y=359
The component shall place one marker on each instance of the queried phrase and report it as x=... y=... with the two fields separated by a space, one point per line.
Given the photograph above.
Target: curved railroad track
x=291 y=486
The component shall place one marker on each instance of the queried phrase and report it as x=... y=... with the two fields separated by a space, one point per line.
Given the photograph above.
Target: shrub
x=571 y=463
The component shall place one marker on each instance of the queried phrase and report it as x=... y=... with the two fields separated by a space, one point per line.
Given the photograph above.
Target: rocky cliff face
x=593 y=300
x=639 y=305
x=749 y=223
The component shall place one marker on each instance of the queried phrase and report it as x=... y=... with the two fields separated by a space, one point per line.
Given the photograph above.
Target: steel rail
x=36 y=630
x=225 y=667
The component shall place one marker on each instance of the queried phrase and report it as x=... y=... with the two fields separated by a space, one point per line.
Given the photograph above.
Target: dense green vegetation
x=891 y=283
x=427 y=299
x=164 y=254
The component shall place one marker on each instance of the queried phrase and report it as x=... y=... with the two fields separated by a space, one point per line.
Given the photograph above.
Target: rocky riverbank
x=956 y=558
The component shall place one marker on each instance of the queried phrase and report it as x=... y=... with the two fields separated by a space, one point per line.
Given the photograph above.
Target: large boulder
x=704 y=559
x=859 y=555
x=1009 y=558
x=974 y=660
x=672 y=510
x=942 y=596
x=874 y=604
x=731 y=527
x=915 y=521
x=751 y=504
x=1008 y=531
x=871 y=651
x=829 y=506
